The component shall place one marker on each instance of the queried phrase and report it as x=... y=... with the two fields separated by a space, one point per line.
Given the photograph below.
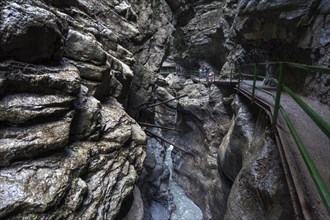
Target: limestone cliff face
x=226 y=33
x=68 y=148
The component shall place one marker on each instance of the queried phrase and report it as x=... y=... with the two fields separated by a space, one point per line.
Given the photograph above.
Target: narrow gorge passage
x=80 y=83
x=216 y=130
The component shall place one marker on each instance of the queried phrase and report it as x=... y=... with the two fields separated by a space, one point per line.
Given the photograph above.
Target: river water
x=185 y=207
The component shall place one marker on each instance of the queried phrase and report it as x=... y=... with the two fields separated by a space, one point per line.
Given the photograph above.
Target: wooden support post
x=160 y=103
x=169 y=142
x=158 y=126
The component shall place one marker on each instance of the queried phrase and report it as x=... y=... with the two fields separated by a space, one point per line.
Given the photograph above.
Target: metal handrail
x=319 y=121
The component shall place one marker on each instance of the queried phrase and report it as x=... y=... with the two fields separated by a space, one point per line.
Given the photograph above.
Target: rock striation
x=68 y=148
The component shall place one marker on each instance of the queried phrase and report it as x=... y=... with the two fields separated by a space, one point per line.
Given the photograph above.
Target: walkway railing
x=320 y=122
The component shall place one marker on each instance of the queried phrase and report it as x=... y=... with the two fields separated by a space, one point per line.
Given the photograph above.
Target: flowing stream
x=185 y=207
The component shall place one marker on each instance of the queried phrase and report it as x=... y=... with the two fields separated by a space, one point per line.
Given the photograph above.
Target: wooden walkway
x=217 y=81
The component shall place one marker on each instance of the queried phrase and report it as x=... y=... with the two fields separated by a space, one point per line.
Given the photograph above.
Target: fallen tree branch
x=169 y=142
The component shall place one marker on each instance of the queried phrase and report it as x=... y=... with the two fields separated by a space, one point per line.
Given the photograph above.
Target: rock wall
x=230 y=165
x=202 y=118
x=227 y=33
x=68 y=148
x=249 y=158
x=204 y=115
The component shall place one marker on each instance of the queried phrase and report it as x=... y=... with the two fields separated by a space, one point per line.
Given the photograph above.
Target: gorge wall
x=68 y=148
x=227 y=160
x=227 y=33
x=70 y=70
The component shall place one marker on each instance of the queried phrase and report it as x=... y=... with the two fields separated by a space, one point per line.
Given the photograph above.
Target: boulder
x=163 y=95
x=175 y=82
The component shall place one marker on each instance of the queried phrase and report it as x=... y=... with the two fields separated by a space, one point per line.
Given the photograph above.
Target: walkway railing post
x=254 y=80
x=278 y=94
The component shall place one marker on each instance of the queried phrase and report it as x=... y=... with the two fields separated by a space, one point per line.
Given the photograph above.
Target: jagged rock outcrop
x=80 y=181
x=154 y=182
x=233 y=169
x=250 y=159
x=202 y=118
x=68 y=148
x=205 y=119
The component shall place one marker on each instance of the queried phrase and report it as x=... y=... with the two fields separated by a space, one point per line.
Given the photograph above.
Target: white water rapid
x=185 y=207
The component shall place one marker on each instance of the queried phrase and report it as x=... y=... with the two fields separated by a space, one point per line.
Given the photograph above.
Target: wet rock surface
x=202 y=120
x=25 y=107
x=259 y=189
x=154 y=182
x=29 y=33
x=27 y=141
x=232 y=167
x=198 y=174
x=226 y=34
x=70 y=69
x=68 y=148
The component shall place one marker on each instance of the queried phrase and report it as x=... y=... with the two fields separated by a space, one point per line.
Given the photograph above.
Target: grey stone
x=175 y=82
x=236 y=141
x=29 y=33
x=260 y=190
x=92 y=72
x=136 y=211
x=22 y=108
x=18 y=77
x=99 y=90
x=118 y=127
x=163 y=95
x=83 y=47
x=86 y=124
x=31 y=141
x=36 y=186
